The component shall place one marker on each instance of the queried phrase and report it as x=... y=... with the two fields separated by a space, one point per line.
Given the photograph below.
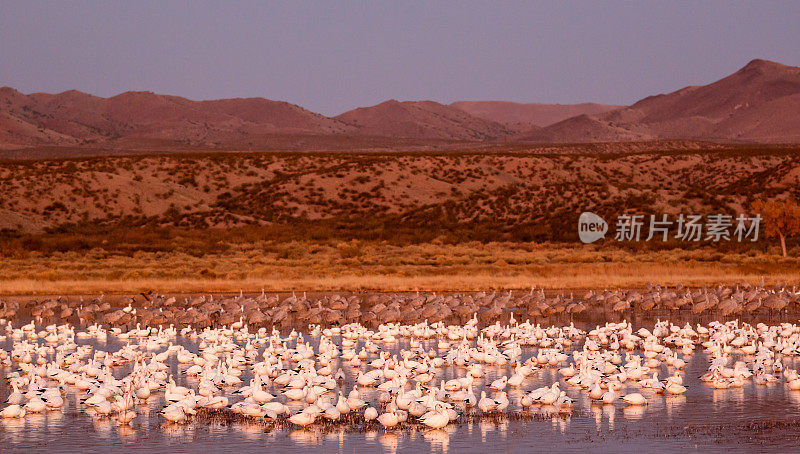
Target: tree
x=781 y=219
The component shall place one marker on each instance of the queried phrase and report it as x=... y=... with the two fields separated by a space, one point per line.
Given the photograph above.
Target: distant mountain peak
x=757 y=103
x=764 y=67
x=758 y=63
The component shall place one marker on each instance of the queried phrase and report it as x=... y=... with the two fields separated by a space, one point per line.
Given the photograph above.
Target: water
x=703 y=419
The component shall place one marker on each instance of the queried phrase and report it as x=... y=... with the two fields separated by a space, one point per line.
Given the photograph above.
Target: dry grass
x=575 y=277
x=379 y=266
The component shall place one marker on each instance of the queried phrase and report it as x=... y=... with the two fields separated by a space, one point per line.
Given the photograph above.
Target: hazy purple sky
x=332 y=56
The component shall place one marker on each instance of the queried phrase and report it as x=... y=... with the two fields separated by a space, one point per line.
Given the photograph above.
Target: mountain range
x=759 y=103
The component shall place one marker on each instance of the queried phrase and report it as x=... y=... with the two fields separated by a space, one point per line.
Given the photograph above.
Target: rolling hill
x=420 y=119
x=74 y=118
x=758 y=103
x=529 y=114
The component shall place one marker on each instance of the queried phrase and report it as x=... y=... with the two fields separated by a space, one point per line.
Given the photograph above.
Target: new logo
x=591 y=227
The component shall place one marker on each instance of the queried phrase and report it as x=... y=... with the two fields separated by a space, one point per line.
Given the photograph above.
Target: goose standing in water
x=402 y=368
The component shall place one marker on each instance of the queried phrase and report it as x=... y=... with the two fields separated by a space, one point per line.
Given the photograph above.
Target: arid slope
x=422 y=119
x=492 y=196
x=75 y=118
x=522 y=115
x=758 y=103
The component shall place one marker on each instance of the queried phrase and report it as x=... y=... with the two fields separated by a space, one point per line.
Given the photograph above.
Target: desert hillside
x=420 y=119
x=75 y=118
x=758 y=103
x=463 y=195
x=521 y=115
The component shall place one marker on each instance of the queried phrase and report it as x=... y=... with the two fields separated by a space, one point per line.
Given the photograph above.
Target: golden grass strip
x=559 y=276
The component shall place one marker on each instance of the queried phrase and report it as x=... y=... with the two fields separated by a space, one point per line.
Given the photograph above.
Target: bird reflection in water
x=439 y=439
x=633 y=412
x=389 y=441
x=610 y=413
x=305 y=437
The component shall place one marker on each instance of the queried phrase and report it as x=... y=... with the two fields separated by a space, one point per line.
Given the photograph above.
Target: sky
x=332 y=56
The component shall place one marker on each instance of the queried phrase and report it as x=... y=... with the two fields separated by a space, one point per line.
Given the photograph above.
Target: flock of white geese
x=389 y=376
